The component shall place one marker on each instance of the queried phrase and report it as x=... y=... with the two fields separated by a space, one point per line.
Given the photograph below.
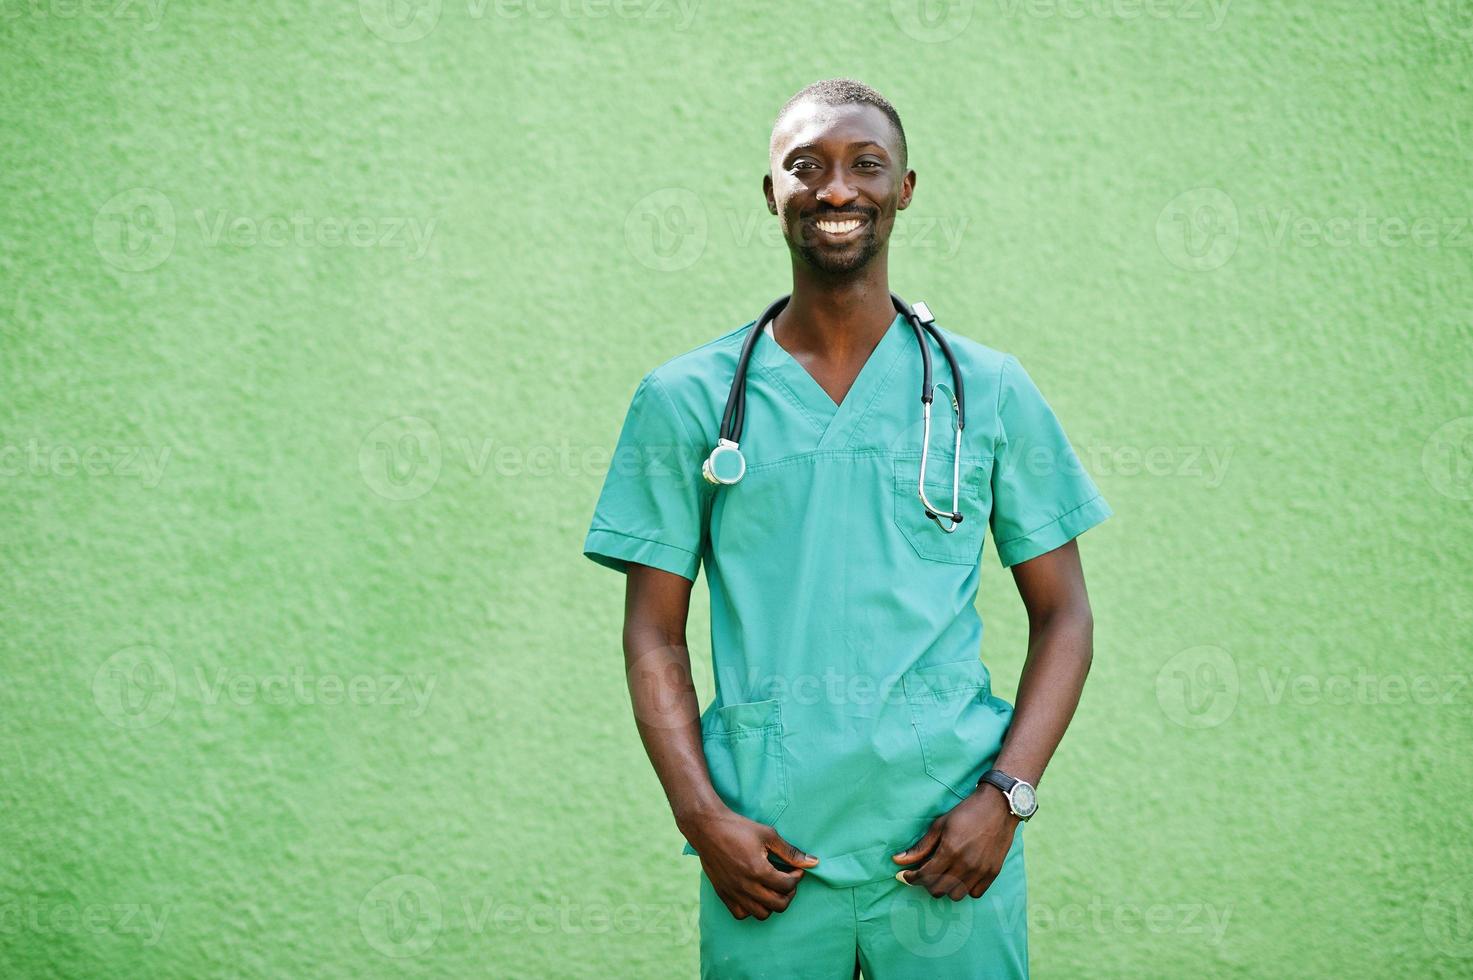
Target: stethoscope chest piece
x=726 y=464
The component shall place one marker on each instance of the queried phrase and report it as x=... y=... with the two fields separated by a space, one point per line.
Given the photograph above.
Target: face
x=835 y=182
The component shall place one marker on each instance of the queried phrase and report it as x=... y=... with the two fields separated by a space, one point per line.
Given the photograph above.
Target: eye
x=873 y=164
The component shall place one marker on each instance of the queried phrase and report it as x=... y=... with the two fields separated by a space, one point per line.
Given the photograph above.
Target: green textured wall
x=319 y=325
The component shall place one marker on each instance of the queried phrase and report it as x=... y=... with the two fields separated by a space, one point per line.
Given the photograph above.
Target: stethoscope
x=726 y=464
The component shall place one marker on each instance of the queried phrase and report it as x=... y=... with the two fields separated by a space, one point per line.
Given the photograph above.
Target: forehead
x=836 y=125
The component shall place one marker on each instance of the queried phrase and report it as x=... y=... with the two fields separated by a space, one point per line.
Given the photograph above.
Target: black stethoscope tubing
x=734 y=416
x=736 y=400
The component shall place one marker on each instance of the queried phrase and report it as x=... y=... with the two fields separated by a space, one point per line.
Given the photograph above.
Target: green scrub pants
x=888 y=930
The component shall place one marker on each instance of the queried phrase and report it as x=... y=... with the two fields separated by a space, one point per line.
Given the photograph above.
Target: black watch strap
x=997 y=778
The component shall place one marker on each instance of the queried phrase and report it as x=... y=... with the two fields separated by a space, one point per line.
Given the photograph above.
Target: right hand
x=734 y=851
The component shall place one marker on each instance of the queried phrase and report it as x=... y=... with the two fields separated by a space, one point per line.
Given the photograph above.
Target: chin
x=829 y=260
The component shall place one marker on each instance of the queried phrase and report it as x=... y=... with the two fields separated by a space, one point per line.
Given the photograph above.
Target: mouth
x=839 y=229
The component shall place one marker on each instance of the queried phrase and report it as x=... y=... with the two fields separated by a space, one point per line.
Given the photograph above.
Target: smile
x=839 y=229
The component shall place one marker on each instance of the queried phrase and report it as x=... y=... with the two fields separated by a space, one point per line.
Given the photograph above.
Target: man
x=854 y=733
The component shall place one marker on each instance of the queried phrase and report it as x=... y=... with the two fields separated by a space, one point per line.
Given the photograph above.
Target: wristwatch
x=1022 y=797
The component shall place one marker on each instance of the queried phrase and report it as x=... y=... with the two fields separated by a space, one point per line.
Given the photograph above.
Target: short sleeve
x=1041 y=495
x=651 y=509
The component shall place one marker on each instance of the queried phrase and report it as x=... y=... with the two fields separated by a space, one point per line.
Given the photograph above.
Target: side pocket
x=744 y=754
x=959 y=723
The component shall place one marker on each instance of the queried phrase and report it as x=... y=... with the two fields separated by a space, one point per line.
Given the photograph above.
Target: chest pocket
x=964 y=545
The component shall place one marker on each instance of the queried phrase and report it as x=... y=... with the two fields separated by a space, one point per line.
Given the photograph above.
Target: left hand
x=963 y=849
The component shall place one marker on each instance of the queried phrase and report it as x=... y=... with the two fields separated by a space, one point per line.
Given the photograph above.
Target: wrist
x=994 y=800
x=1018 y=795
x=690 y=818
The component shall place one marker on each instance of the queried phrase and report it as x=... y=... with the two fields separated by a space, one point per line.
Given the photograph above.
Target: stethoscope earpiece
x=726 y=465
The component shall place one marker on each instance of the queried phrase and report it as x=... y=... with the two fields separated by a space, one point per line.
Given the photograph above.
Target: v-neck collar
x=836 y=424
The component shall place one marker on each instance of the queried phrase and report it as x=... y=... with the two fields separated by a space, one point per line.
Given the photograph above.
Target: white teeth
x=838 y=227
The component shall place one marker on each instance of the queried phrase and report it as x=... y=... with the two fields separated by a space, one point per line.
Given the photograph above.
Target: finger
x=910 y=876
x=782 y=882
x=921 y=848
x=733 y=905
x=763 y=903
x=937 y=875
x=777 y=882
x=787 y=852
x=778 y=904
x=980 y=888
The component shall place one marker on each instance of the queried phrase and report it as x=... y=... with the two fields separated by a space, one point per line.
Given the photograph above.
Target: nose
x=835 y=192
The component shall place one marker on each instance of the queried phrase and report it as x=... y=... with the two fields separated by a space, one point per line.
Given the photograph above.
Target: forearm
x=1060 y=648
x=667 y=714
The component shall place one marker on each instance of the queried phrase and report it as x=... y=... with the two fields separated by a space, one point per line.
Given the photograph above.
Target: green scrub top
x=851 y=707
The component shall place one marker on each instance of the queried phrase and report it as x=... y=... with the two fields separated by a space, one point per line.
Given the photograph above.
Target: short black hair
x=847 y=91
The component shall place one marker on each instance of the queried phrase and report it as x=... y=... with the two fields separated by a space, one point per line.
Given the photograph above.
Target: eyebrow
x=813 y=146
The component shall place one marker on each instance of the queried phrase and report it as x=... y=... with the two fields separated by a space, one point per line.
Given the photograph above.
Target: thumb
x=788 y=852
x=921 y=847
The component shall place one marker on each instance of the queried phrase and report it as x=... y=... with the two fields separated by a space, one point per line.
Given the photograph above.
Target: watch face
x=1024 y=800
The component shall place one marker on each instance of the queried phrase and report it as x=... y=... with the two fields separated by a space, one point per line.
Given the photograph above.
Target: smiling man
x=854 y=732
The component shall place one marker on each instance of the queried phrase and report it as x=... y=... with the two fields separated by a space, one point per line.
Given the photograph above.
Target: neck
x=836 y=318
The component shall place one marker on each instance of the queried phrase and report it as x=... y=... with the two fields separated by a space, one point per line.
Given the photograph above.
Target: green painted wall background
x=319 y=323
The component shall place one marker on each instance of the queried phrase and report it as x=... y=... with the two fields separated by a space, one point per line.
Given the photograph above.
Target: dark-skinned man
x=856 y=794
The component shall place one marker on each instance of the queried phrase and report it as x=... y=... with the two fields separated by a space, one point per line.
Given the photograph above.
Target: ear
x=767 y=193
x=907 y=188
